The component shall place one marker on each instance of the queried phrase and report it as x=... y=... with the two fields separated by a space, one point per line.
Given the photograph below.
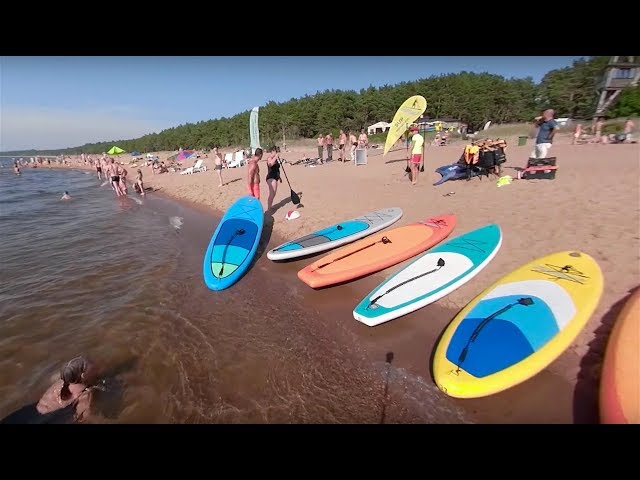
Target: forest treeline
x=473 y=98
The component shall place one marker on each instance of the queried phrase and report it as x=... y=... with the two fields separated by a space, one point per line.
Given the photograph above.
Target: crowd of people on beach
x=346 y=139
x=581 y=134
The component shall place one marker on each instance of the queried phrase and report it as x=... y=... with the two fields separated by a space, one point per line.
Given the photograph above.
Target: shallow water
x=120 y=280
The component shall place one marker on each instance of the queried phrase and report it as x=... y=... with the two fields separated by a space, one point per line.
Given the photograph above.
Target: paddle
x=295 y=198
x=526 y=301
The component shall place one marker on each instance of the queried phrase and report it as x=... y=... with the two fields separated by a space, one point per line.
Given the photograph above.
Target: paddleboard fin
x=525 y=301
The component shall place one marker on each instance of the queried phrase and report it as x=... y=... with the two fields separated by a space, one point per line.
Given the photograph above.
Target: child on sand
x=253 y=174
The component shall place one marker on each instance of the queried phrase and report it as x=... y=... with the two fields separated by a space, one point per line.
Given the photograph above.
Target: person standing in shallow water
x=68 y=398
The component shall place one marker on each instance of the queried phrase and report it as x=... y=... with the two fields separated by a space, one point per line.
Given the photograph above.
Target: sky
x=59 y=102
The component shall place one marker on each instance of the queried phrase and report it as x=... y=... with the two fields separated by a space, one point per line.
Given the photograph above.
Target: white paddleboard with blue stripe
x=431 y=276
x=336 y=235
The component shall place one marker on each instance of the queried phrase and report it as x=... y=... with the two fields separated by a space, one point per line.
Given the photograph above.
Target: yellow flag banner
x=408 y=112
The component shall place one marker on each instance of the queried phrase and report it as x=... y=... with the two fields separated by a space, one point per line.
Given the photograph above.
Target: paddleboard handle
x=525 y=301
x=439 y=264
x=383 y=240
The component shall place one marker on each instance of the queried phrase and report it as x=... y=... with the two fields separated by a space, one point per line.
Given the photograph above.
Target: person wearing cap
x=417 y=141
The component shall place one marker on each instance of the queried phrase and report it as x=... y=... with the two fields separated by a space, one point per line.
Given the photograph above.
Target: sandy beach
x=592 y=205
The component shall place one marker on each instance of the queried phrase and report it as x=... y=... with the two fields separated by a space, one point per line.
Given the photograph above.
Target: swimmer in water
x=69 y=397
x=16 y=167
x=66 y=196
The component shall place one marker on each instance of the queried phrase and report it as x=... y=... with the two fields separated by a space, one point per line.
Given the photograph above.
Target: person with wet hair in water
x=67 y=400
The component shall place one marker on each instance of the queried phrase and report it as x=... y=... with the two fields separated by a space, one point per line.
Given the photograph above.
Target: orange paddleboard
x=377 y=252
x=620 y=379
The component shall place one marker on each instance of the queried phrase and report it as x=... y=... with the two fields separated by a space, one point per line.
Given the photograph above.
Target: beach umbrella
x=184 y=154
x=115 y=151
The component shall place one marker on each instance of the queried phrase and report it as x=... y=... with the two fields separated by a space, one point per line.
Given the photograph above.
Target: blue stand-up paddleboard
x=233 y=244
x=431 y=276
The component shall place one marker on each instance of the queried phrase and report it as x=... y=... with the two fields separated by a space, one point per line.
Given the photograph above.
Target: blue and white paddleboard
x=233 y=244
x=431 y=276
x=336 y=235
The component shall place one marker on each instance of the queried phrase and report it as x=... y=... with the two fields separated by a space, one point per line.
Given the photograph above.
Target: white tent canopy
x=379 y=127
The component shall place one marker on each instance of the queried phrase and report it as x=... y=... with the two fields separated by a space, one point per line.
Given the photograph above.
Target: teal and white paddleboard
x=431 y=276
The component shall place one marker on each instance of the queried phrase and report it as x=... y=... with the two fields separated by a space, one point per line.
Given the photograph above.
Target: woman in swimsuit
x=69 y=398
x=273 y=175
x=217 y=160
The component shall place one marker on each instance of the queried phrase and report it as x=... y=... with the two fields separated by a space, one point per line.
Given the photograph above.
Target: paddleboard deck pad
x=518 y=326
x=233 y=244
x=431 y=276
x=377 y=252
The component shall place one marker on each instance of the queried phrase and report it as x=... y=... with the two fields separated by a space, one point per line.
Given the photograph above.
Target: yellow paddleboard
x=517 y=326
